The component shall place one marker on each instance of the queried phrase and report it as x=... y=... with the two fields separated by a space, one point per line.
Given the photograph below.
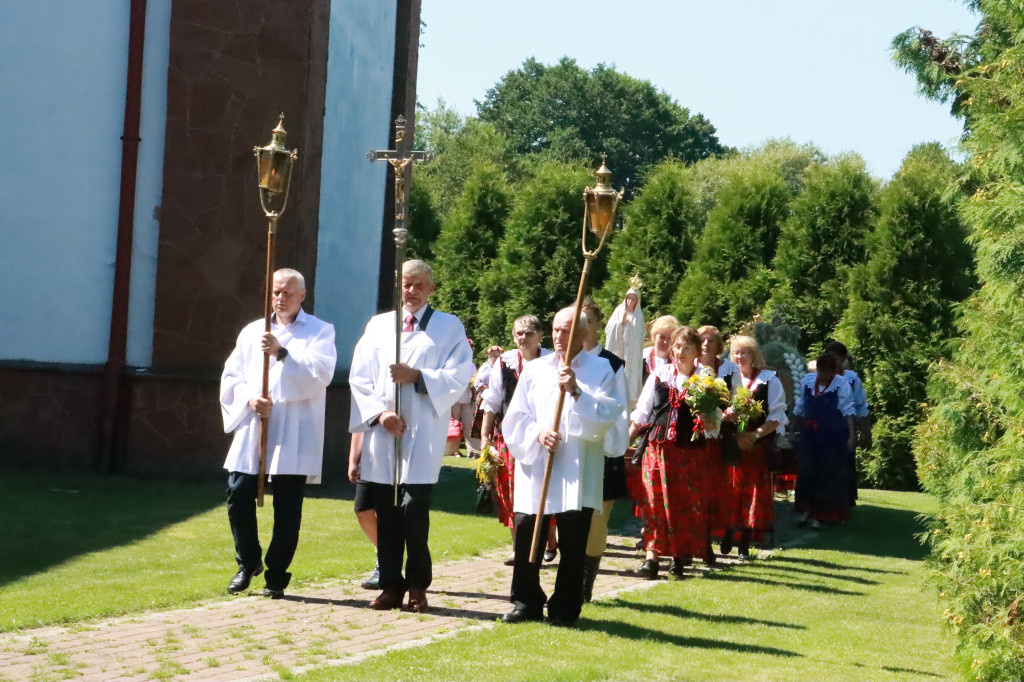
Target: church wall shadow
x=49 y=520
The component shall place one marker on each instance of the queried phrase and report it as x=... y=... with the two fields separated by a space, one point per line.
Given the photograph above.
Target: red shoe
x=387 y=600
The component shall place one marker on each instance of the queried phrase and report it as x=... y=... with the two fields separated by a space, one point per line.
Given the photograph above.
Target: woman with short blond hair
x=750 y=506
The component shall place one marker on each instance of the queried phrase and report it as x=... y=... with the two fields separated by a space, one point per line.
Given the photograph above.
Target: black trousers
x=402 y=531
x=288 y=492
x=567 y=600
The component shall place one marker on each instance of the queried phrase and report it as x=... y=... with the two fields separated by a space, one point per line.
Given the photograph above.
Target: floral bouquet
x=706 y=395
x=745 y=407
x=487 y=465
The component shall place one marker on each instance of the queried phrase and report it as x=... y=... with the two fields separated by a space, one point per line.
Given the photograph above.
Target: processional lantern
x=600 y=206
x=274 y=163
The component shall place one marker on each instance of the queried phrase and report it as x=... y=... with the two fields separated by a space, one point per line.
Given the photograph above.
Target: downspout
x=117 y=348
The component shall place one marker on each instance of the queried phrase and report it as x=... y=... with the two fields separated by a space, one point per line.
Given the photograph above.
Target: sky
x=815 y=71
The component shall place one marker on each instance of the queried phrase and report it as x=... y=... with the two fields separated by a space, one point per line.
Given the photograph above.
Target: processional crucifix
x=400 y=158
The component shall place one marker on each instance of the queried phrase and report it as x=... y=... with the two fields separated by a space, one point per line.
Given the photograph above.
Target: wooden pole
x=268 y=311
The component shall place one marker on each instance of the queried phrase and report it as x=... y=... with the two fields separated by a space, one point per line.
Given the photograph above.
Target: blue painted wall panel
x=357 y=118
x=62 y=89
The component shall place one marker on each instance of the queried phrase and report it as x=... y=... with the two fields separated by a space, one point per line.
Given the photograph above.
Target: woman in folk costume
x=501 y=384
x=824 y=406
x=658 y=354
x=711 y=349
x=674 y=465
x=751 y=503
x=624 y=336
x=862 y=416
x=719 y=471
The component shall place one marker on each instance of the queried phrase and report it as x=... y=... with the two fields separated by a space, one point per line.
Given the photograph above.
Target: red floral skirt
x=675 y=478
x=751 y=503
x=504 y=482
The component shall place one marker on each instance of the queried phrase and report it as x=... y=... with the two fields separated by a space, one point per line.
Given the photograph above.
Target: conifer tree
x=469 y=242
x=729 y=280
x=900 y=315
x=661 y=226
x=820 y=241
x=970 y=453
x=539 y=261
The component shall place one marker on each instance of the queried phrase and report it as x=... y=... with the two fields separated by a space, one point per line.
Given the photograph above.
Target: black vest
x=509 y=381
x=661 y=410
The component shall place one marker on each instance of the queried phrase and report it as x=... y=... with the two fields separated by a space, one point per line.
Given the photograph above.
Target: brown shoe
x=417 y=600
x=387 y=600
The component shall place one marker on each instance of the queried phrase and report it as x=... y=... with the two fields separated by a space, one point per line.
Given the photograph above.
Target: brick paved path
x=249 y=637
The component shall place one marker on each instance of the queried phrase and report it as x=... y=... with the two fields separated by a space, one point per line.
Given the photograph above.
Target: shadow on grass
x=635 y=632
x=676 y=612
x=779 y=566
x=806 y=587
x=49 y=520
x=829 y=565
x=876 y=531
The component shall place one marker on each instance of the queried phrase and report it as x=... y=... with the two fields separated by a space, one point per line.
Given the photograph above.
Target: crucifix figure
x=400 y=159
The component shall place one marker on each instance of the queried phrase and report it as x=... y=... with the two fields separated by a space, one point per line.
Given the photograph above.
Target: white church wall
x=357 y=118
x=62 y=88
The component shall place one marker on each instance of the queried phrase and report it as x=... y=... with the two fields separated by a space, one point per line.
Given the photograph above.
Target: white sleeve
x=520 y=427
x=641 y=415
x=368 y=400
x=308 y=369
x=776 y=402
x=494 y=395
x=846 y=399
x=235 y=391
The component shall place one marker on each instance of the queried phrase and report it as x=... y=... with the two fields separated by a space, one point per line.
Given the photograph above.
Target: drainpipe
x=117 y=349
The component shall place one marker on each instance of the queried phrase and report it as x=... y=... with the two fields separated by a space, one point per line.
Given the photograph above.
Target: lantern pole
x=274 y=167
x=600 y=204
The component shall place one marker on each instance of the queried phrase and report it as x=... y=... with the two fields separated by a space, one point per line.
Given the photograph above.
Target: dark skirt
x=823 y=480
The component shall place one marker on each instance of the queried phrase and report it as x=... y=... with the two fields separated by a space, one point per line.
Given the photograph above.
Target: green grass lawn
x=75 y=548
x=847 y=605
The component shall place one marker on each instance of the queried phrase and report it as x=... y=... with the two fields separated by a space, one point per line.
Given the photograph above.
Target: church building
x=132 y=241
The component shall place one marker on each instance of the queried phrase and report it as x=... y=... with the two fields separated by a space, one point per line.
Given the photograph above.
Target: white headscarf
x=624 y=336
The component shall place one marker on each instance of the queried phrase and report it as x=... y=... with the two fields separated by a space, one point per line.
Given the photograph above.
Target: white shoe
x=815 y=524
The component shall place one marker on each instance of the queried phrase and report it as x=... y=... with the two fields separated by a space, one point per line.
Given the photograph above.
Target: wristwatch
x=577 y=393
x=282 y=354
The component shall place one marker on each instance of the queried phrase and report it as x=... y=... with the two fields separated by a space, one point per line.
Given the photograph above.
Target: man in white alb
x=302 y=359
x=437 y=364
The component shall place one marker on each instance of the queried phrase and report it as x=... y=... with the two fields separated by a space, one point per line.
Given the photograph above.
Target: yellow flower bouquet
x=706 y=395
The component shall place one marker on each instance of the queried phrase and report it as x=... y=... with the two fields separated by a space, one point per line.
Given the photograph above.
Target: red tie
x=410 y=320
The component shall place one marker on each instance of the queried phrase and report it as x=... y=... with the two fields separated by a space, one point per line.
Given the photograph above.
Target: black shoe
x=510 y=561
x=272 y=593
x=678 y=566
x=744 y=547
x=559 y=622
x=522 y=614
x=726 y=545
x=709 y=558
x=242 y=579
x=550 y=554
x=649 y=569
